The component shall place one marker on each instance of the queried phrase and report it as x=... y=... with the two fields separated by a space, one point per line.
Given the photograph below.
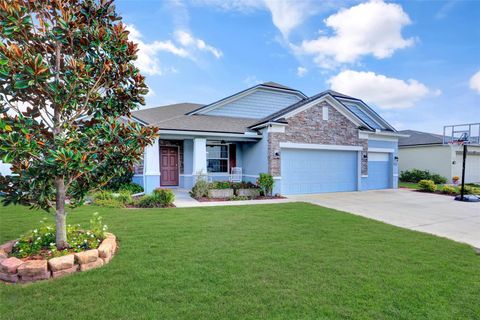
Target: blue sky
x=416 y=62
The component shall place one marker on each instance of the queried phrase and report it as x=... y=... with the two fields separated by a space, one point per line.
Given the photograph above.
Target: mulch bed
x=205 y=199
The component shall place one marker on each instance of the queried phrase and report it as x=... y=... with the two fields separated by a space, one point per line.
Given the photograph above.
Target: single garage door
x=316 y=171
x=472 y=167
x=378 y=170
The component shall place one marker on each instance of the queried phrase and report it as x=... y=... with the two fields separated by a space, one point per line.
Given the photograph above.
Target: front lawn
x=285 y=261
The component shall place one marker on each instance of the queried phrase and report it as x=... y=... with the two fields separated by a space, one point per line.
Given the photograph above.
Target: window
x=325 y=113
x=217 y=158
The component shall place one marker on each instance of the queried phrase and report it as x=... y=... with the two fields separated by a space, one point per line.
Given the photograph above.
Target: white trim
x=383 y=150
x=258 y=126
x=385 y=134
x=364 y=175
x=251 y=175
x=276 y=128
x=395 y=174
x=277 y=178
x=186 y=175
x=211 y=134
x=152 y=173
x=333 y=102
x=292 y=145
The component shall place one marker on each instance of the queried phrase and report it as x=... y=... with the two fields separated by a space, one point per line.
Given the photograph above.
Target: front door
x=169 y=166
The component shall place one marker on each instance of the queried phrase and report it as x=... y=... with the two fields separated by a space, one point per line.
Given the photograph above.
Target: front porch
x=176 y=162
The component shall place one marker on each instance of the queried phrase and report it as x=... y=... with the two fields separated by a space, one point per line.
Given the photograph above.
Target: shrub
x=110 y=199
x=416 y=175
x=220 y=185
x=131 y=187
x=243 y=185
x=446 y=189
x=469 y=190
x=160 y=198
x=427 y=186
x=41 y=241
x=200 y=189
x=117 y=182
x=265 y=182
x=109 y=203
x=165 y=197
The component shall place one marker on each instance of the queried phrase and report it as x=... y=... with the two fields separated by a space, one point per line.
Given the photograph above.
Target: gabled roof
x=267 y=85
x=368 y=118
x=417 y=138
x=174 y=117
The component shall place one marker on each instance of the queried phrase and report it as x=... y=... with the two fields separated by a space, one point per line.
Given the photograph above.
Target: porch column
x=199 y=156
x=151 y=167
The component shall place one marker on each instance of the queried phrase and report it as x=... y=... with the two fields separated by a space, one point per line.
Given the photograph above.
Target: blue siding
x=257 y=104
x=317 y=171
x=138 y=179
x=255 y=156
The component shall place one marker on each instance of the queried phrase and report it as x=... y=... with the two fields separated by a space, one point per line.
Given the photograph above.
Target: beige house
x=427 y=151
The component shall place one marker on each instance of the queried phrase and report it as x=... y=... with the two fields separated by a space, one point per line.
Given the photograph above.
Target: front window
x=217 y=158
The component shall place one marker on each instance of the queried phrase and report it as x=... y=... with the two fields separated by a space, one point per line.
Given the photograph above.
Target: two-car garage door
x=316 y=171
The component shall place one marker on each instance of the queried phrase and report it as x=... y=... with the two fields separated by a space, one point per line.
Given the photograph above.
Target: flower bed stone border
x=15 y=270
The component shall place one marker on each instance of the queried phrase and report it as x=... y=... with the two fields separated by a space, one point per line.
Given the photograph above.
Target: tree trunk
x=60 y=215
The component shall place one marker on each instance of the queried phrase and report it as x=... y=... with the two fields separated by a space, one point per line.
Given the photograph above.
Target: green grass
x=285 y=261
x=409 y=185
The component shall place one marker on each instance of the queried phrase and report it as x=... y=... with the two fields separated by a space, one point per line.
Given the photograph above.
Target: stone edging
x=14 y=270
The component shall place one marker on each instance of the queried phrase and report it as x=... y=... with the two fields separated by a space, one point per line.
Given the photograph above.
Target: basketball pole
x=463 y=171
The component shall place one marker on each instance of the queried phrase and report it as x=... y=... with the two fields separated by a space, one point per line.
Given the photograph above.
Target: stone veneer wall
x=15 y=270
x=308 y=126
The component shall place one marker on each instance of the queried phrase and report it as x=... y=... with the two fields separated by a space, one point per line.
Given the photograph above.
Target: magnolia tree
x=68 y=83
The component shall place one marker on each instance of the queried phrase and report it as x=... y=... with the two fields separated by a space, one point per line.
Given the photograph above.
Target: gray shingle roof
x=173 y=117
x=419 y=138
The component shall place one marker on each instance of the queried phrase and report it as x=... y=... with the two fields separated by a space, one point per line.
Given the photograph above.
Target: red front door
x=169 y=166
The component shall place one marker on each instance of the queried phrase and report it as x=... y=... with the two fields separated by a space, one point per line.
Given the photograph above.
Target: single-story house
x=328 y=142
x=429 y=151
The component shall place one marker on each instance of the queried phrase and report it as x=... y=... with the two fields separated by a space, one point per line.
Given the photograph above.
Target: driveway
x=436 y=214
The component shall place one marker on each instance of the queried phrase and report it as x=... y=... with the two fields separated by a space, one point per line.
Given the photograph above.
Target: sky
x=417 y=63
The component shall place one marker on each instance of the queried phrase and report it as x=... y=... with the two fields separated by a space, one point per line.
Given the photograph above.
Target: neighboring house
x=429 y=151
x=325 y=143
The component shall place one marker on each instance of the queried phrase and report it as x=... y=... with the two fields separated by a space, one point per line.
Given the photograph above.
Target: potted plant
x=220 y=190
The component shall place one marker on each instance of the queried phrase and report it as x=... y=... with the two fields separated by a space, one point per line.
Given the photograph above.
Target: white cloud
x=286 y=14
x=372 y=28
x=186 y=39
x=252 y=81
x=384 y=92
x=301 y=71
x=475 y=82
x=148 y=61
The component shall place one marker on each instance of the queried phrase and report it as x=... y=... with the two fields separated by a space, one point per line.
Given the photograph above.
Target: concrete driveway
x=436 y=214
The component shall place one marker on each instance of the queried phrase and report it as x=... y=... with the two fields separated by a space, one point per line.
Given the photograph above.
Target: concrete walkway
x=436 y=214
x=183 y=200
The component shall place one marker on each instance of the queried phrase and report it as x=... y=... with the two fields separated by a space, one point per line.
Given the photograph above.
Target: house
x=328 y=142
x=429 y=151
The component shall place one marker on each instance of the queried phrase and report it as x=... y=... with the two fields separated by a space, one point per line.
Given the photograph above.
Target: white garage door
x=472 y=167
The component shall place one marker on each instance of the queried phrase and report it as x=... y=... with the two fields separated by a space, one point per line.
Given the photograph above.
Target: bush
x=200 y=189
x=469 y=190
x=110 y=199
x=416 y=175
x=446 y=189
x=265 y=182
x=131 y=187
x=164 y=196
x=41 y=241
x=160 y=198
x=221 y=185
x=243 y=185
x=117 y=182
x=109 y=203
x=427 y=186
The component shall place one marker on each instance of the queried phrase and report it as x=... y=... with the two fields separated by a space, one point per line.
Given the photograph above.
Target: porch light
x=365 y=155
